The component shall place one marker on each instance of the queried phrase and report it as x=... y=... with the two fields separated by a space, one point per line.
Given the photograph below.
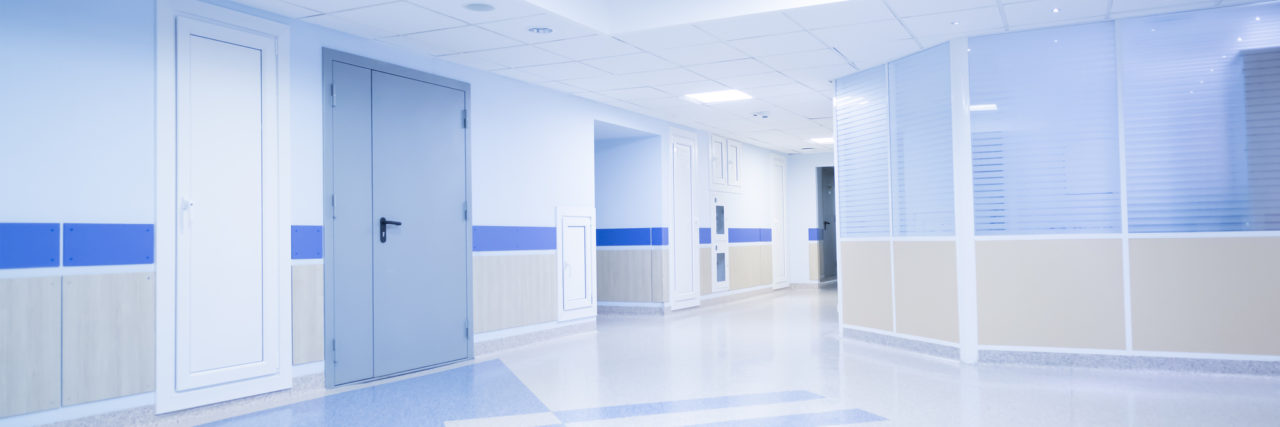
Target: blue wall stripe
x=108 y=244
x=503 y=238
x=654 y=236
x=28 y=245
x=636 y=410
x=704 y=235
x=306 y=242
x=815 y=234
x=746 y=235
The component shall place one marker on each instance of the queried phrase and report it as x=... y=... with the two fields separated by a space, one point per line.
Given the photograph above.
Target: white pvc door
x=227 y=300
x=683 y=239
x=777 y=215
x=576 y=235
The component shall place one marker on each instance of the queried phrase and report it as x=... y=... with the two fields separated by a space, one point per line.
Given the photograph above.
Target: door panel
x=353 y=223
x=685 y=287
x=779 y=241
x=826 y=197
x=420 y=276
x=574 y=291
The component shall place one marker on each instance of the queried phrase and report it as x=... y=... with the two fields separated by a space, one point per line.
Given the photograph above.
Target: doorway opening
x=826 y=235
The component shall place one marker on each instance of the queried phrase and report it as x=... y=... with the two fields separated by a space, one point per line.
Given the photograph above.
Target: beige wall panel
x=1051 y=293
x=743 y=266
x=624 y=275
x=1209 y=295
x=661 y=275
x=308 y=313
x=924 y=277
x=867 y=296
x=108 y=336
x=815 y=265
x=764 y=269
x=706 y=266
x=513 y=290
x=29 y=344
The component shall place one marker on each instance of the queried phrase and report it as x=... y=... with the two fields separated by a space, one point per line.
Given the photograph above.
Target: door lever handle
x=382 y=228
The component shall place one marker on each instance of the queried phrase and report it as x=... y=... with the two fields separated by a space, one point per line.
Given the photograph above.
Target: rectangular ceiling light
x=826 y=140
x=983 y=107
x=719 y=96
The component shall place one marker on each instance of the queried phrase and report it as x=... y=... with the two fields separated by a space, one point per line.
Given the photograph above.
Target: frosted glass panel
x=862 y=153
x=1202 y=120
x=1045 y=131
x=923 y=204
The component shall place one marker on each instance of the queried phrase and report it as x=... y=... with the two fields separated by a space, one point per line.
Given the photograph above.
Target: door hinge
x=464 y=211
x=466 y=331
x=333 y=344
x=464 y=119
x=333 y=206
x=333 y=96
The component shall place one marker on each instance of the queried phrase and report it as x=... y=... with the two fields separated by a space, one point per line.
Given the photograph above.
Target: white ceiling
x=786 y=59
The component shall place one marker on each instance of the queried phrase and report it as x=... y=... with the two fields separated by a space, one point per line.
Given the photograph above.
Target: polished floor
x=774 y=360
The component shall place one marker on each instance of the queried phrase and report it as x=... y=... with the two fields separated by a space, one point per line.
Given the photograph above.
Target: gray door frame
x=328 y=57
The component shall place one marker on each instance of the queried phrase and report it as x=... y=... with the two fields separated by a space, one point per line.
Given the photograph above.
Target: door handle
x=382 y=228
x=825 y=224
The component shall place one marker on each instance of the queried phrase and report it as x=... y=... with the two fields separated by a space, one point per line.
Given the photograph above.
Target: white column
x=962 y=179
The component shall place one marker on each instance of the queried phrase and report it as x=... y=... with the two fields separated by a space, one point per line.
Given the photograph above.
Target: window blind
x=923 y=202
x=862 y=153
x=1201 y=95
x=1045 y=131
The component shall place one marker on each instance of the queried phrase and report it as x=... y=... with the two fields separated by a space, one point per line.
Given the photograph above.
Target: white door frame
x=720 y=242
x=689 y=140
x=562 y=214
x=168 y=395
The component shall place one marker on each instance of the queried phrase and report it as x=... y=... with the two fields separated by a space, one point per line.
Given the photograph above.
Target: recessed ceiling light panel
x=540 y=30
x=479 y=7
x=718 y=96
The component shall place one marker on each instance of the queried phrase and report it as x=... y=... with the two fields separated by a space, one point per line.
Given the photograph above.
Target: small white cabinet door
x=732 y=163
x=576 y=235
x=717 y=160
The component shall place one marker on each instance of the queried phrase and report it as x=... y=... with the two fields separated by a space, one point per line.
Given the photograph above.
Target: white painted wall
x=751 y=202
x=77 y=111
x=628 y=182
x=802 y=209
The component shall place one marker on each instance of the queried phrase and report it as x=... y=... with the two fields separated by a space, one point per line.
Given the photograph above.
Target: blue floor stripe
x=654 y=408
x=847 y=416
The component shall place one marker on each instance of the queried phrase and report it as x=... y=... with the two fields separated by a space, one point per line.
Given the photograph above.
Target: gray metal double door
x=399 y=250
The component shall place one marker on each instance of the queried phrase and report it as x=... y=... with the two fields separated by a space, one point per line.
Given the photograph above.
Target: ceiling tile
x=1041 y=12
x=362 y=30
x=519 y=28
x=791 y=88
x=636 y=93
x=1136 y=7
x=589 y=47
x=667 y=37
x=280 y=7
x=663 y=77
x=808 y=105
x=461 y=39
x=772 y=78
x=692 y=87
x=502 y=9
x=739 y=67
x=477 y=60
x=564 y=71
x=841 y=13
x=868 y=55
x=813 y=58
x=819 y=77
x=702 y=54
x=905 y=8
x=633 y=63
x=398 y=18
x=741 y=27
x=778 y=44
x=561 y=86
x=330 y=6
x=520 y=75
x=955 y=24
x=517 y=56
x=846 y=36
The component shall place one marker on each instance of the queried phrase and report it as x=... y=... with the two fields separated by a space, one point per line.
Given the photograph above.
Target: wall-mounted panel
x=28 y=245
x=308 y=313
x=107 y=244
x=704 y=256
x=920 y=87
x=306 y=242
x=29 y=347
x=815 y=261
x=1209 y=295
x=924 y=285
x=862 y=153
x=750 y=265
x=486 y=238
x=1051 y=293
x=108 y=336
x=625 y=275
x=867 y=284
x=513 y=290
